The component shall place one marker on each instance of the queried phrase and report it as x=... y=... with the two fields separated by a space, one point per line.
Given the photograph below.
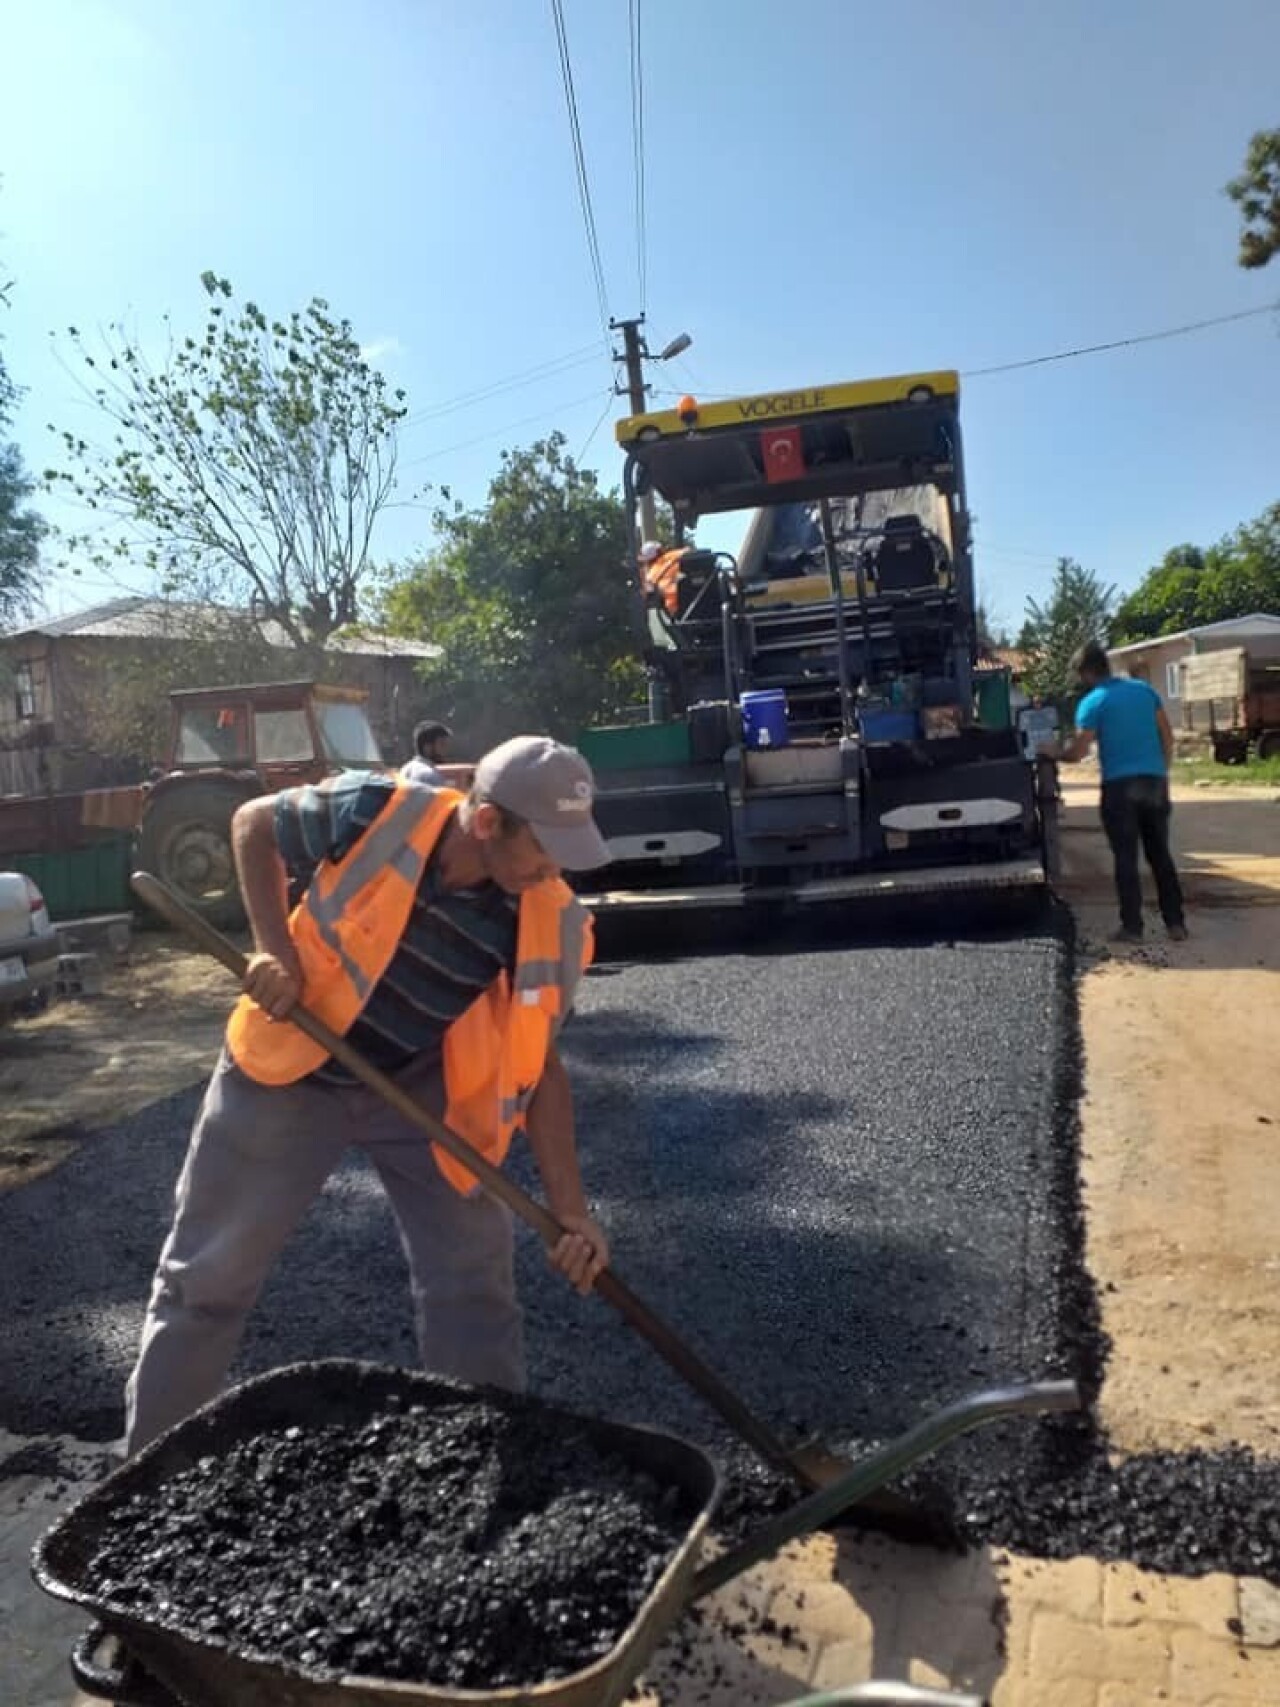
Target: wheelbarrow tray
x=207 y=1671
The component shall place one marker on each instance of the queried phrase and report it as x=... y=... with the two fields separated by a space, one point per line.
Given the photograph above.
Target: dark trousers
x=1135 y=814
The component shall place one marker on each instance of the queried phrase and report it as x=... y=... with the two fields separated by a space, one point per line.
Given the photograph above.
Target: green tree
x=1242 y=572
x=1078 y=609
x=1166 y=600
x=1190 y=587
x=250 y=466
x=1256 y=192
x=527 y=597
x=21 y=529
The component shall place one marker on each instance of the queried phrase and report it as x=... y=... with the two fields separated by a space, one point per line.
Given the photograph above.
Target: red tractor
x=225 y=746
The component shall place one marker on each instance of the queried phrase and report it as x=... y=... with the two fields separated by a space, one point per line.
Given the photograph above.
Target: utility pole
x=634 y=350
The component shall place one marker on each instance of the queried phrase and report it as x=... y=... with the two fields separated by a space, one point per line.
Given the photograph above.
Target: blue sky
x=835 y=189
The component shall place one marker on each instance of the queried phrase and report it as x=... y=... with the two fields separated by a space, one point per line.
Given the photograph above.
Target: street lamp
x=676 y=347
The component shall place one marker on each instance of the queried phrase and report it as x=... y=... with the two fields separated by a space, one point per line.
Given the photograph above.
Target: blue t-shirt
x=1122 y=713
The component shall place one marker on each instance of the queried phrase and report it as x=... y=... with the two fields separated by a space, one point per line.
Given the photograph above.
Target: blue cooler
x=764 y=718
x=887 y=726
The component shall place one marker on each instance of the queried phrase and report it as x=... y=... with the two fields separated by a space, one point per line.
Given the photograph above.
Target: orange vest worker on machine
x=661 y=570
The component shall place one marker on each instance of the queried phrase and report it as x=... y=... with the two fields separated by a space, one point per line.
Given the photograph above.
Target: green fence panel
x=90 y=879
x=634 y=744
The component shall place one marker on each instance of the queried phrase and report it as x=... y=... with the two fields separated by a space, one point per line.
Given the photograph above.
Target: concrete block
x=1259 y=1613
x=1072 y=1587
x=1207 y=1668
x=1064 y=1647
x=107 y=934
x=79 y=975
x=845 y=1662
x=1131 y=1596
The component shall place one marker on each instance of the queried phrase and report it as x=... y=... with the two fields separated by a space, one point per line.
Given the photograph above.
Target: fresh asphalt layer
x=846 y=1170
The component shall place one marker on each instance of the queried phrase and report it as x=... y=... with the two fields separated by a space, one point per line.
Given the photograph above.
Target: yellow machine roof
x=781 y=406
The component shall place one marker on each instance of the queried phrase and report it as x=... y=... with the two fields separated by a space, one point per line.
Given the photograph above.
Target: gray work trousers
x=258 y=1158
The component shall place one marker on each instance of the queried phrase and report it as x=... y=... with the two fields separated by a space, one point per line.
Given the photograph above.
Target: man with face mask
x=436 y=934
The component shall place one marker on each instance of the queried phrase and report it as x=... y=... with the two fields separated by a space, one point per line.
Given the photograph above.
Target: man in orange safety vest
x=436 y=934
x=660 y=567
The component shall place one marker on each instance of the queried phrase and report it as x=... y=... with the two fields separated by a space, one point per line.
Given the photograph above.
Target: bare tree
x=253 y=463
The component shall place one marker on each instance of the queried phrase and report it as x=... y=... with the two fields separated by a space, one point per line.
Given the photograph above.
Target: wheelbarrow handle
x=889 y=1694
x=93 y=1675
x=881 y=1466
x=125 y=1684
x=663 y=1338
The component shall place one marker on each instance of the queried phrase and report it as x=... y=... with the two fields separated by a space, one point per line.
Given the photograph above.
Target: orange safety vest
x=346 y=929
x=662 y=576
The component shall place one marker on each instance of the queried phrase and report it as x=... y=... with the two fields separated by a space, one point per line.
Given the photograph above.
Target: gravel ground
x=845 y=1170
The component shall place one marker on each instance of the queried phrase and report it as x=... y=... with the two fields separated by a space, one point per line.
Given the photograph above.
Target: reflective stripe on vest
x=346 y=931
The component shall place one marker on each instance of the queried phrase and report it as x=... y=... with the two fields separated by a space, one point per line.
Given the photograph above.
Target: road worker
x=437 y=935
x=428 y=764
x=660 y=567
x=1135 y=746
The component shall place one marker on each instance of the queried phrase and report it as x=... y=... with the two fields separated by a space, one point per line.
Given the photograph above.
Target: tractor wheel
x=185 y=841
x=1269 y=744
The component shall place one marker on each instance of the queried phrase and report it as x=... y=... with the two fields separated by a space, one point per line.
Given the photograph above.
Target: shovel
x=810 y=1464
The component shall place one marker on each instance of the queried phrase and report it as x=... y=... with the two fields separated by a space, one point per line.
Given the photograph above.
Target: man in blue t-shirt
x=1135 y=744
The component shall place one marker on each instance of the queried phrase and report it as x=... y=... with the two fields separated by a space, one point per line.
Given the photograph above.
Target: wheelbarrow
x=172 y=1665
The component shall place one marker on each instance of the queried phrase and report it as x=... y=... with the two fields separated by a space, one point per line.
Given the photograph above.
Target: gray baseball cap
x=551 y=788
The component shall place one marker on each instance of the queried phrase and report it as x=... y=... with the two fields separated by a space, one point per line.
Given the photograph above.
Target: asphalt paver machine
x=820 y=723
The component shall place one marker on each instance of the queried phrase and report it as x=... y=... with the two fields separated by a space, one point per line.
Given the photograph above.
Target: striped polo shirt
x=454 y=944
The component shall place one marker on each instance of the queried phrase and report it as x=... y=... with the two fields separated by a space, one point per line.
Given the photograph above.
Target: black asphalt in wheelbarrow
x=180 y=1665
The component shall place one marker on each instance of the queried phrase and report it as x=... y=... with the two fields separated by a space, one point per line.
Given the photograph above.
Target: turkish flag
x=783 y=453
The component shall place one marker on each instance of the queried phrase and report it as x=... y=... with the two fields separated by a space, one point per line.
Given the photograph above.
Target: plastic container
x=991 y=689
x=764 y=718
x=881 y=726
x=711 y=730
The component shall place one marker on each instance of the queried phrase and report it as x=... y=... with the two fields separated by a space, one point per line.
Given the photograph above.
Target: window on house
x=24 y=692
x=1171 y=687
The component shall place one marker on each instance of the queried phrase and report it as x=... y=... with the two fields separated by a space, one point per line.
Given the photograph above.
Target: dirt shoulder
x=92 y=1060
x=1181 y=1128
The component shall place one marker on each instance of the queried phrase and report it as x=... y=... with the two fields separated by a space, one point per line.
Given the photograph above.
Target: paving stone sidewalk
x=828 y=1611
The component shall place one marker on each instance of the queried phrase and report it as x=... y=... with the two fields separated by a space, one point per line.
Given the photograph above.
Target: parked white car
x=29 y=946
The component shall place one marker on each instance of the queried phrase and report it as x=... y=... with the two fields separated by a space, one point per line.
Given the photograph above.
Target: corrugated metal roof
x=139 y=617
x=1251 y=624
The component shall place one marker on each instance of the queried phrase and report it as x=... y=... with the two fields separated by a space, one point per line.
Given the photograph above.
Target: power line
x=526 y=376
x=637 y=147
x=497 y=432
x=693 y=378
x=580 y=166
x=1058 y=356
x=1123 y=343
x=608 y=404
